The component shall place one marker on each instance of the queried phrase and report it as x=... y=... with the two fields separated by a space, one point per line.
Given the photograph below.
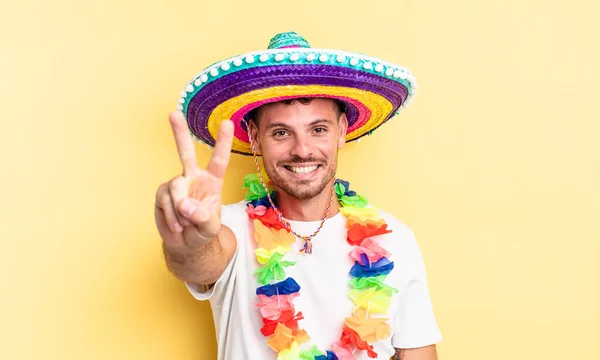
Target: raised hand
x=188 y=207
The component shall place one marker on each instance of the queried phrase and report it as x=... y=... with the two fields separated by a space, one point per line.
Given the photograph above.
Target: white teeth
x=303 y=170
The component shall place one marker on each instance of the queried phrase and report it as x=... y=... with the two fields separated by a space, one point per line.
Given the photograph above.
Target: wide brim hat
x=372 y=90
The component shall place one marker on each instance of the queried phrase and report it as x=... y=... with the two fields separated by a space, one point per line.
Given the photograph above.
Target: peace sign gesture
x=188 y=208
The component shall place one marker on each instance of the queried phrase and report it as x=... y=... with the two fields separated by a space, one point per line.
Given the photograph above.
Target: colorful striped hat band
x=372 y=90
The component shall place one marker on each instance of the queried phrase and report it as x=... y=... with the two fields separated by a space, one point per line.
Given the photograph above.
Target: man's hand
x=188 y=207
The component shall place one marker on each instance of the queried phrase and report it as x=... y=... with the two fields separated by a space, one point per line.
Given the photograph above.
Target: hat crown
x=288 y=40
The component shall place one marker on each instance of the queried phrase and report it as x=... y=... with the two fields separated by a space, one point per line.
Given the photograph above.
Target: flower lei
x=277 y=292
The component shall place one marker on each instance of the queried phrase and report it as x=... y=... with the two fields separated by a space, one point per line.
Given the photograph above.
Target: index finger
x=185 y=145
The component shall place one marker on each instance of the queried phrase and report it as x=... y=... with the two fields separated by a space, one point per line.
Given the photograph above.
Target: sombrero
x=372 y=90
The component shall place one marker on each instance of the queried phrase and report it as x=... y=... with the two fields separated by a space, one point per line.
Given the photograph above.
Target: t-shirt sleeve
x=230 y=217
x=414 y=323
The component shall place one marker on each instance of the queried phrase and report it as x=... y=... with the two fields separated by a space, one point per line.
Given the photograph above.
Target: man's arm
x=202 y=266
x=423 y=353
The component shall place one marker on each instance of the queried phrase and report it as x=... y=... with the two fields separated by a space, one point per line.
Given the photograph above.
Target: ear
x=254 y=133
x=343 y=128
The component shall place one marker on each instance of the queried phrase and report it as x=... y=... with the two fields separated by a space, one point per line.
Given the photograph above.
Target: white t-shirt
x=323 y=278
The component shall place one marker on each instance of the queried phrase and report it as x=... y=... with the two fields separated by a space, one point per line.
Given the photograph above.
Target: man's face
x=299 y=144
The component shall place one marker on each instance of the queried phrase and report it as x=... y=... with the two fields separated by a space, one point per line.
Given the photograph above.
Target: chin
x=302 y=183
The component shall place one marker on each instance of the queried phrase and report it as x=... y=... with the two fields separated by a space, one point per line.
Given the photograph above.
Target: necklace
x=276 y=292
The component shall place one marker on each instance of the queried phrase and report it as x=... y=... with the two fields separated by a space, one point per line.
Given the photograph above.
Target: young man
x=303 y=268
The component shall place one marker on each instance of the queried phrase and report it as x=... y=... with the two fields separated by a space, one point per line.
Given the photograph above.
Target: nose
x=302 y=147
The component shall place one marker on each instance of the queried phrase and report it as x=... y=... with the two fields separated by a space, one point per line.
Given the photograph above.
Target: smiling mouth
x=302 y=169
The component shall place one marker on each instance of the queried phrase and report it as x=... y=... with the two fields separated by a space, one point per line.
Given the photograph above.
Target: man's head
x=299 y=141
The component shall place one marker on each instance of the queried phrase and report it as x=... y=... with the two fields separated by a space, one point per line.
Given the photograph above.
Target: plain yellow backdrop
x=495 y=166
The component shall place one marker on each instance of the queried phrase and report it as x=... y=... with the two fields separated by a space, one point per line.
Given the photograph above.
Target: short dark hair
x=338 y=105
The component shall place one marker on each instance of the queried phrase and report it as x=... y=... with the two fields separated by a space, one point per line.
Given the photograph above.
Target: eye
x=279 y=133
x=320 y=130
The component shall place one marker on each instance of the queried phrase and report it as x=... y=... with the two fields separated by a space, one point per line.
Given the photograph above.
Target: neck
x=310 y=209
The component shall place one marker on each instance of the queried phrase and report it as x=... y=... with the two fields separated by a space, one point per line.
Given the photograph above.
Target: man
x=303 y=268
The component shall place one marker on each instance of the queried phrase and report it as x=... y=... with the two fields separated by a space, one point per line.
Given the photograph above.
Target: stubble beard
x=302 y=190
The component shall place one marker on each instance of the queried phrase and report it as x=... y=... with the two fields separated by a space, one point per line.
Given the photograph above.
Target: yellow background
x=495 y=166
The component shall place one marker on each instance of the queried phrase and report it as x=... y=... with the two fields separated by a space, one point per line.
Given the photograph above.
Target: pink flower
x=254 y=212
x=371 y=249
x=342 y=352
x=271 y=307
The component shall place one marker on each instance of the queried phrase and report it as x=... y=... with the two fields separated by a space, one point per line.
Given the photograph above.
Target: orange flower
x=283 y=338
x=357 y=233
x=369 y=329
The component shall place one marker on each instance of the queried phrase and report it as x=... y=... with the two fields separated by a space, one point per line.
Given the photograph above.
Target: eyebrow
x=312 y=123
